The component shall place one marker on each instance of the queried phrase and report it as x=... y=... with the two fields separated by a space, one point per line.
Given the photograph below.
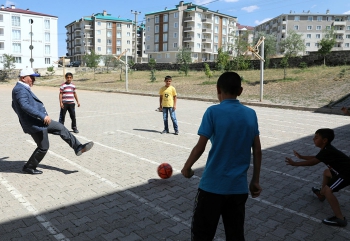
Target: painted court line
x=31 y=209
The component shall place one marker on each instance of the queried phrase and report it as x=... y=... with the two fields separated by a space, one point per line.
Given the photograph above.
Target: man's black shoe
x=84 y=148
x=30 y=170
x=334 y=221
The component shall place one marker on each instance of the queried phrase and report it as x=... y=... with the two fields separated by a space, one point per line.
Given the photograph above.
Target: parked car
x=75 y=63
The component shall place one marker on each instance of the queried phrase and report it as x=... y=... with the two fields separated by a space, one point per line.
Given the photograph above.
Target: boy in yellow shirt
x=167 y=103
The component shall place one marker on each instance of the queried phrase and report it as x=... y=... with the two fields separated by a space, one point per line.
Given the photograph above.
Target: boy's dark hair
x=326 y=133
x=69 y=74
x=167 y=77
x=230 y=83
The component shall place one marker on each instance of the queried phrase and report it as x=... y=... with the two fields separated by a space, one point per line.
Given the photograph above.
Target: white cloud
x=250 y=8
x=202 y=2
x=313 y=6
x=9 y=3
x=348 y=12
x=231 y=1
x=257 y=22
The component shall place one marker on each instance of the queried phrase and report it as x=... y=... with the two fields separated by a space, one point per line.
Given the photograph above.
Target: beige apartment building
x=311 y=26
x=105 y=35
x=188 y=26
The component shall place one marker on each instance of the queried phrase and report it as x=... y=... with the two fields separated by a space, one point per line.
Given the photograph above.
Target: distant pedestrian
x=67 y=95
x=345 y=110
x=167 y=104
x=232 y=129
x=335 y=177
x=36 y=122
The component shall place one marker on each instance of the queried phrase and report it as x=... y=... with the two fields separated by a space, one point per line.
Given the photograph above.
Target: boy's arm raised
x=196 y=153
x=254 y=185
x=310 y=162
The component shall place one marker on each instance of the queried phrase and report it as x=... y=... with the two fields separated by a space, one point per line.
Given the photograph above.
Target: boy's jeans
x=172 y=116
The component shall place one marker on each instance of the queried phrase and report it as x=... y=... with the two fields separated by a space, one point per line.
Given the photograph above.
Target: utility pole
x=31 y=43
x=136 y=13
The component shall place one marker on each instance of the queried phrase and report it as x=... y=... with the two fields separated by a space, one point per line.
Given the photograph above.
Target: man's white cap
x=28 y=71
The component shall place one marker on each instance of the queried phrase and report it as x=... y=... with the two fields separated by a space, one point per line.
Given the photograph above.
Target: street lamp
x=31 y=43
x=136 y=13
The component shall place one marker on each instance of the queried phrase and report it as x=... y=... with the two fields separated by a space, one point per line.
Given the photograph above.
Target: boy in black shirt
x=336 y=177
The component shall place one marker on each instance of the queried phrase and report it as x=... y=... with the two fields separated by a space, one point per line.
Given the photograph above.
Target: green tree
x=50 y=70
x=223 y=61
x=291 y=46
x=270 y=46
x=327 y=43
x=208 y=72
x=8 y=63
x=284 y=64
x=152 y=64
x=108 y=61
x=92 y=60
x=184 y=59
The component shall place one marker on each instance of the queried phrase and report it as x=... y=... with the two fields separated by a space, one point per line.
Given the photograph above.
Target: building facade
x=189 y=26
x=312 y=26
x=104 y=34
x=30 y=37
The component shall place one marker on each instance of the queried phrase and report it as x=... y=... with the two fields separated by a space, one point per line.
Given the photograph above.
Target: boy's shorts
x=337 y=182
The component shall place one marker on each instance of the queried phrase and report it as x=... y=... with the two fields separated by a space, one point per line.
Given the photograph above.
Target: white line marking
x=30 y=208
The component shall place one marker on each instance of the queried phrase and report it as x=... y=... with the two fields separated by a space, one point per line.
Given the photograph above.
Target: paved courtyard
x=113 y=192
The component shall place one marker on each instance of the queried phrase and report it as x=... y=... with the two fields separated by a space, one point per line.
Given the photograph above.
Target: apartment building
x=312 y=26
x=30 y=37
x=102 y=33
x=190 y=26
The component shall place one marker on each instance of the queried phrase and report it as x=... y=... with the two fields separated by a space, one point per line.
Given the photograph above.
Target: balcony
x=205 y=40
x=188 y=39
x=188 y=29
x=188 y=19
x=77 y=29
x=207 y=20
x=206 y=50
x=339 y=31
x=88 y=27
x=339 y=23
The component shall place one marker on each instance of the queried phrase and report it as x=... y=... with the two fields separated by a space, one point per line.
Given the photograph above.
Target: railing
x=188 y=19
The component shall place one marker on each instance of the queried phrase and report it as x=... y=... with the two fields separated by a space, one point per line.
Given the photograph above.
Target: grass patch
x=212 y=82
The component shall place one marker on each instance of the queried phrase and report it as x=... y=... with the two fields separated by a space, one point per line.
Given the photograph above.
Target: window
x=98 y=40
x=119 y=51
x=47 y=37
x=307 y=44
x=309 y=27
x=347 y=27
x=128 y=34
x=309 y=18
x=98 y=32
x=1 y=19
x=156 y=47
x=109 y=34
x=16 y=48
x=18 y=60
x=156 y=28
x=109 y=50
x=296 y=18
x=99 y=23
x=296 y=27
x=329 y=18
x=224 y=31
x=318 y=35
x=119 y=26
x=198 y=35
x=347 y=45
x=148 y=19
x=156 y=38
x=1 y=31
x=176 y=15
x=224 y=21
x=156 y=19
x=216 y=39
x=215 y=48
x=347 y=36
x=175 y=45
x=47 y=60
x=319 y=18
x=148 y=37
x=176 y=25
x=16 y=21
x=128 y=26
x=16 y=34
x=119 y=43
x=317 y=45
x=216 y=29
x=99 y=49
x=109 y=42
x=167 y=55
x=165 y=27
x=109 y=25
x=165 y=37
x=119 y=34
x=216 y=19
x=198 y=45
x=328 y=27
x=165 y=47
x=165 y=18
x=47 y=49
x=47 y=24
x=159 y=56
x=175 y=35
x=2 y=45
x=318 y=27
x=148 y=28
x=147 y=47
x=128 y=42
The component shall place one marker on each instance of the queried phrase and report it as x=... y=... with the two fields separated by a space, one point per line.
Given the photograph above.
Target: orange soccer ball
x=165 y=170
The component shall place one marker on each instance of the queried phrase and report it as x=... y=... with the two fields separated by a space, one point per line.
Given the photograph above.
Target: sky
x=248 y=12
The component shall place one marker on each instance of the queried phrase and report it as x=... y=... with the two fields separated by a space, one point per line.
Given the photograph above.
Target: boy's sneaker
x=75 y=130
x=176 y=132
x=334 y=221
x=164 y=132
x=84 y=148
x=318 y=194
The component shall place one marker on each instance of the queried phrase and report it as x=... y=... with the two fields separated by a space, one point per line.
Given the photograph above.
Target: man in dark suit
x=36 y=122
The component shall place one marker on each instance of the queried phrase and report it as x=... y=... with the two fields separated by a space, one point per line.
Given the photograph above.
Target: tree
x=270 y=46
x=208 y=72
x=223 y=61
x=107 y=60
x=8 y=65
x=327 y=43
x=92 y=60
x=152 y=64
x=183 y=58
x=291 y=46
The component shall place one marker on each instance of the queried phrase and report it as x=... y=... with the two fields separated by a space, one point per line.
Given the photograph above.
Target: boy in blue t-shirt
x=223 y=190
